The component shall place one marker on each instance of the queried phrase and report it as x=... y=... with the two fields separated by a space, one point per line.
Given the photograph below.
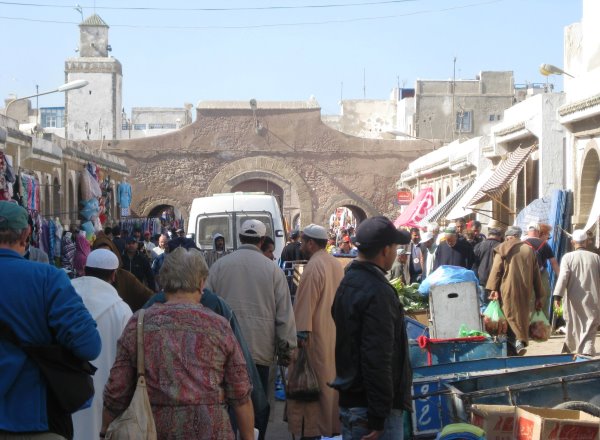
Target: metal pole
x=37 y=104
x=453 y=98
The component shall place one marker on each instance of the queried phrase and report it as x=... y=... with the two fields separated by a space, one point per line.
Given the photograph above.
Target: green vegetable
x=409 y=295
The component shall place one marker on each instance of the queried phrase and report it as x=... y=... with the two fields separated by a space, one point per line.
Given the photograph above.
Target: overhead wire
x=266 y=25
x=241 y=8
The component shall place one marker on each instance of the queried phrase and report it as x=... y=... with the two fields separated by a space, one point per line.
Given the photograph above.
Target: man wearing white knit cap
x=111 y=315
x=578 y=287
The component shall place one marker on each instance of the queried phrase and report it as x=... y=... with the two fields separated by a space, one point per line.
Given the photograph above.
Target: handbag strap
x=140 y=343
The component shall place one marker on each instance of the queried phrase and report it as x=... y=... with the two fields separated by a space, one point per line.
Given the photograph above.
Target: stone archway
x=360 y=209
x=151 y=209
x=269 y=169
x=590 y=176
x=261 y=185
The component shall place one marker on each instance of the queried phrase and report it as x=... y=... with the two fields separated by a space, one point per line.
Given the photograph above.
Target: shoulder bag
x=136 y=422
x=302 y=383
x=67 y=377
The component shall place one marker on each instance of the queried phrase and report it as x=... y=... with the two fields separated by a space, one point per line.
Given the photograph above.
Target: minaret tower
x=94 y=112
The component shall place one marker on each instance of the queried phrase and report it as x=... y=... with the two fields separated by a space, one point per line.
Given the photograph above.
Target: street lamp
x=549 y=69
x=77 y=84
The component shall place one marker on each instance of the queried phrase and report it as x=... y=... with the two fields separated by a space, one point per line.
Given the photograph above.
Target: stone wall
x=290 y=147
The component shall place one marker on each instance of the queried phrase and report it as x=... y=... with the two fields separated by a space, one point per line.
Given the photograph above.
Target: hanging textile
x=124 y=195
x=7 y=177
x=151 y=224
x=417 y=210
x=30 y=190
x=559 y=217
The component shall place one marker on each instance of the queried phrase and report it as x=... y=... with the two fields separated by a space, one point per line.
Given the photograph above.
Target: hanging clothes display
x=124 y=198
x=67 y=252
x=106 y=199
x=30 y=191
x=92 y=203
x=150 y=224
x=58 y=233
x=7 y=177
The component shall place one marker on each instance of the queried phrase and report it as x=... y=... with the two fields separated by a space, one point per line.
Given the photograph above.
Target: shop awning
x=462 y=207
x=595 y=211
x=417 y=209
x=503 y=176
x=442 y=209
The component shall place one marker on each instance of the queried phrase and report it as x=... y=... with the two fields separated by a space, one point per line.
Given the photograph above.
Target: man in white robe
x=111 y=315
x=578 y=287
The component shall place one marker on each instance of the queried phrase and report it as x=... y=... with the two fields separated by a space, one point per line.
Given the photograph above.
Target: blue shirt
x=37 y=302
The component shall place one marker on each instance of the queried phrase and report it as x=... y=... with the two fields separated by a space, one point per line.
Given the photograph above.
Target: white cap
x=533 y=225
x=579 y=236
x=426 y=236
x=315 y=231
x=401 y=251
x=102 y=259
x=253 y=228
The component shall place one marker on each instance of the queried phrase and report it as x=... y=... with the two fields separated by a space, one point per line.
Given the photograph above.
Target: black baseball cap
x=379 y=231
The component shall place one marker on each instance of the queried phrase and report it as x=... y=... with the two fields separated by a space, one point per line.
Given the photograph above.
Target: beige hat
x=315 y=231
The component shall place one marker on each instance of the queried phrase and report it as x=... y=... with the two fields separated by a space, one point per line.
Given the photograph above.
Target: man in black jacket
x=136 y=263
x=373 y=373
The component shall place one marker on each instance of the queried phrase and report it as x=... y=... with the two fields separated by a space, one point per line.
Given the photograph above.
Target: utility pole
x=37 y=104
x=364 y=83
x=453 y=98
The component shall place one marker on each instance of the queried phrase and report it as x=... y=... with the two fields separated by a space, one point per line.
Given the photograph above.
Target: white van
x=225 y=213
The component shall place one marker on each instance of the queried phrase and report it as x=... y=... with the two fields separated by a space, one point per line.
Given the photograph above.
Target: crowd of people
x=512 y=266
x=218 y=323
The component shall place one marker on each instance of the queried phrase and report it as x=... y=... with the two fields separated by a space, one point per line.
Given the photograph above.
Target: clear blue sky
x=171 y=56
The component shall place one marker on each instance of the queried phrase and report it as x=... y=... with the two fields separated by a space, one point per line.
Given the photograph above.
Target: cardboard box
x=554 y=424
x=496 y=420
x=421 y=316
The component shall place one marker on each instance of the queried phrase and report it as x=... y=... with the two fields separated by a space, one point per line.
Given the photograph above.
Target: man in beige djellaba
x=578 y=287
x=514 y=277
x=316 y=333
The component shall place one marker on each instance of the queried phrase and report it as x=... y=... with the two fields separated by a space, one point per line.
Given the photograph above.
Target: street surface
x=277 y=429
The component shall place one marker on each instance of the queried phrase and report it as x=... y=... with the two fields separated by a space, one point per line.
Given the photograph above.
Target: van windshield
x=207 y=225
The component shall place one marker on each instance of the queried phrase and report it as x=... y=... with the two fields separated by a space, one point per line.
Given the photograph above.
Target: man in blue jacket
x=373 y=374
x=41 y=307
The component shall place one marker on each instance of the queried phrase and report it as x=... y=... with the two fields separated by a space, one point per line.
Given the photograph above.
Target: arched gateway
x=311 y=168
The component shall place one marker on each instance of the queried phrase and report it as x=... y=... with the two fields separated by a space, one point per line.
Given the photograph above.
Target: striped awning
x=442 y=209
x=503 y=175
x=461 y=207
